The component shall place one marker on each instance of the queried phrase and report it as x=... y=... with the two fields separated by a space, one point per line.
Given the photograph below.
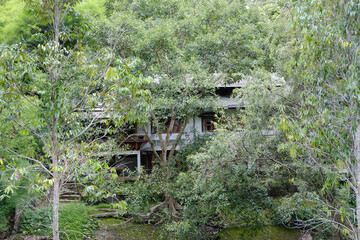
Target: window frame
x=205 y=124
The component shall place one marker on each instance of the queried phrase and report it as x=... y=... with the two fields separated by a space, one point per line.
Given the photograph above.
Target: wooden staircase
x=70 y=193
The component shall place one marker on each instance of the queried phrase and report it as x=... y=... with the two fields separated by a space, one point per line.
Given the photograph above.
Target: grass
x=264 y=233
x=112 y=228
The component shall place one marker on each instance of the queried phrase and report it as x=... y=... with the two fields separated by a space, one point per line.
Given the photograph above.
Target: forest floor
x=117 y=229
x=235 y=232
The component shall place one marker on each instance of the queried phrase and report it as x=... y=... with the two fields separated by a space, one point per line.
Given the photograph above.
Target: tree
x=200 y=40
x=324 y=133
x=64 y=82
x=229 y=177
x=174 y=102
x=221 y=185
x=184 y=46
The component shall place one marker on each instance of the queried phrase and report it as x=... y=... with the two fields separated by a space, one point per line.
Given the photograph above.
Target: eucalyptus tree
x=70 y=89
x=323 y=128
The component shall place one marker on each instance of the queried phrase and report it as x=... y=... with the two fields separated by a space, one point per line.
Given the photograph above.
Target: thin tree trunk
x=178 y=138
x=357 y=180
x=165 y=142
x=172 y=205
x=55 y=143
x=152 y=144
x=163 y=154
x=55 y=206
x=17 y=218
x=56 y=23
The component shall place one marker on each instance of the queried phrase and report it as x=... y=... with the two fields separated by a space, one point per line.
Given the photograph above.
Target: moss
x=111 y=221
x=95 y=209
x=268 y=233
x=104 y=205
x=112 y=228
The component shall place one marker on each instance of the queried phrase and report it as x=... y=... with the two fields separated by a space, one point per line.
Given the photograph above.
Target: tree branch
x=178 y=137
x=30 y=159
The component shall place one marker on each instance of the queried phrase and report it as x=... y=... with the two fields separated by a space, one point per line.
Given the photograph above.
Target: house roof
x=233 y=85
x=222 y=80
x=228 y=103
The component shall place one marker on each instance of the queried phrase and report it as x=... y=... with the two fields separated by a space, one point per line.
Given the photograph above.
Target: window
x=208 y=124
x=131 y=129
x=176 y=128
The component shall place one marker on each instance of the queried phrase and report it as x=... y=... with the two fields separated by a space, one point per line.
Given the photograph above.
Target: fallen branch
x=128 y=220
x=154 y=209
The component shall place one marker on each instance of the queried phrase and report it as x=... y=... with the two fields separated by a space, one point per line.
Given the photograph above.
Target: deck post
x=138 y=161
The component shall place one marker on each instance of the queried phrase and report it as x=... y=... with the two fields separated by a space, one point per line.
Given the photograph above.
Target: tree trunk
x=56 y=23
x=178 y=138
x=357 y=180
x=55 y=207
x=172 y=205
x=56 y=184
x=55 y=145
x=17 y=218
x=163 y=155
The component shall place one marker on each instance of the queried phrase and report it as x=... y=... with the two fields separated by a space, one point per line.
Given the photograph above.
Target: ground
x=268 y=233
x=117 y=229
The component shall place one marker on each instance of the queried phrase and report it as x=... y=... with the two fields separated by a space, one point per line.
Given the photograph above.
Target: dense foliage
x=288 y=156
x=75 y=221
x=323 y=134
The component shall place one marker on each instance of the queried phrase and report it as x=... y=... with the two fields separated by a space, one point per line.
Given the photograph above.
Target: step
x=67 y=191
x=70 y=196
x=69 y=200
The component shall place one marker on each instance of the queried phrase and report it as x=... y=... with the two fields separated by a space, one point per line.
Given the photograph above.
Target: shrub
x=6 y=210
x=36 y=221
x=74 y=221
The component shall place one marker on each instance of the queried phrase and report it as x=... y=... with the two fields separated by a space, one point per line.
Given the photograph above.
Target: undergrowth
x=74 y=221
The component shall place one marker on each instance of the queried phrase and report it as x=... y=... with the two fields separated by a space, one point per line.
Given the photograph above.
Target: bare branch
x=178 y=137
x=34 y=133
x=82 y=132
x=30 y=159
x=151 y=143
